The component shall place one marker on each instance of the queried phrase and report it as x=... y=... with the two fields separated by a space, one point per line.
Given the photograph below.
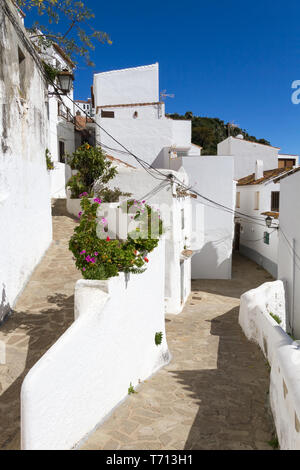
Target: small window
x=62 y=152
x=256 y=201
x=238 y=200
x=275 y=196
x=266 y=238
x=135 y=115
x=182 y=219
x=107 y=114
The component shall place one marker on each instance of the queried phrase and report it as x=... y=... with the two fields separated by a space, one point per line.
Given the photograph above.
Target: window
x=22 y=71
x=182 y=219
x=275 y=196
x=266 y=238
x=286 y=162
x=238 y=200
x=256 y=201
x=135 y=114
x=107 y=114
x=62 y=151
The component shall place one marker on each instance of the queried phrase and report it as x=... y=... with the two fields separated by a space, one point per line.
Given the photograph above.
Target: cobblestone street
x=212 y=395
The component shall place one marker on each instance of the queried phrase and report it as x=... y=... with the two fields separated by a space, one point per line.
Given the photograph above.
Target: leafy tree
x=79 y=37
x=208 y=132
x=92 y=166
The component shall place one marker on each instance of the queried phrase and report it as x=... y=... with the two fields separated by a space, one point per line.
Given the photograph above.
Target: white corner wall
x=213 y=228
x=127 y=86
x=25 y=205
x=289 y=246
x=282 y=354
x=246 y=153
x=88 y=371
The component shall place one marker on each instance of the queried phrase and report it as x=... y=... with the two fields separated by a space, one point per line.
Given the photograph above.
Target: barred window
x=275 y=196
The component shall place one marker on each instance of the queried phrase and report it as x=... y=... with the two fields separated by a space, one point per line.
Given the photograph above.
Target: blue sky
x=228 y=59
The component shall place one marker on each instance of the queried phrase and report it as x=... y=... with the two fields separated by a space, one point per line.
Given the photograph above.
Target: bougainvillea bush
x=101 y=258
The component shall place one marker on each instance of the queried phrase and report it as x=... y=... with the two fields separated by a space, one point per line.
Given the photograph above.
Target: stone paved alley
x=213 y=394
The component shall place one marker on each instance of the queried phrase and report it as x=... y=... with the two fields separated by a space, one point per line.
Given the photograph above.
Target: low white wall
x=88 y=371
x=282 y=354
x=58 y=180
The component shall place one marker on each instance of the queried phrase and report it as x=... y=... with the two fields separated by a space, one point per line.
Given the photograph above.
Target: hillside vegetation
x=208 y=132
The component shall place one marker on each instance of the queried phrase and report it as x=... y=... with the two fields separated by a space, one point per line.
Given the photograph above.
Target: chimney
x=259 y=169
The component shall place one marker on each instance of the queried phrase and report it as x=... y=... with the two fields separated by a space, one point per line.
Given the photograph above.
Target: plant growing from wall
x=131 y=390
x=91 y=165
x=51 y=72
x=102 y=258
x=158 y=338
x=49 y=162
x=275 y=317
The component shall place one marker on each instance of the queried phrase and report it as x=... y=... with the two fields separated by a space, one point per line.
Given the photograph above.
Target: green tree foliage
x=78 y=38
x=208 y=132
x=91 y=165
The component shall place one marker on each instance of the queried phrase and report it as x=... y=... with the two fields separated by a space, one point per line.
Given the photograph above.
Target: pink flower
x=83 y=195
x=83 y=252
x=79 y=214
x=104 y=220
x=83 y=269
x=96 y=253
x=99 y=201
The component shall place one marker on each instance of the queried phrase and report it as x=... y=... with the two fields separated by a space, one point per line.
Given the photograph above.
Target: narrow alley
x=212 y=395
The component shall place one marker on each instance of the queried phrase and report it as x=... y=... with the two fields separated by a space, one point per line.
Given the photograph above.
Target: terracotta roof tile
x=275 y=215
x=269 y=174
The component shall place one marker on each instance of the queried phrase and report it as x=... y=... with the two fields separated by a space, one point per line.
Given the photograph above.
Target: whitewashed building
x=289 y=245
x=61 y=139
x=246 y=153
x=128 y=107
x=25 y=206
x=84 y=107
x=174 y=204
x=258 y=197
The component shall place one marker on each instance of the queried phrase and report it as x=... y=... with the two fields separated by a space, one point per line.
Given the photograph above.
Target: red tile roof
x=269 y=174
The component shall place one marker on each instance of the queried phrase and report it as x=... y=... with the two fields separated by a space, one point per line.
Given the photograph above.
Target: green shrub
x=100 y=259
x=91 y=165
x=111 y=195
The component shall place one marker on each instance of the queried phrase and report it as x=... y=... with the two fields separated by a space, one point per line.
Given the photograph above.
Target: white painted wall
x=282 y=354
x=252 y=231
x=160 y=195
x=25 y=206
x=127 y=86
x=246 y=154
x=87 y=373
x=289 y=246
x=213 y=229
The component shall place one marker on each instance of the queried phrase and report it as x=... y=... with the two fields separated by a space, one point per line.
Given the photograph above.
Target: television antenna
x=164 y=95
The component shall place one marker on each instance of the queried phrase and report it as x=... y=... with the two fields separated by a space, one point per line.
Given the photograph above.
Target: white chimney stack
x=259 y=169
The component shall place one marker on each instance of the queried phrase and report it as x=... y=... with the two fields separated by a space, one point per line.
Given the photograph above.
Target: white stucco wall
x=252 y=231
x=87 y=373
x=212 y=177
x=282 y=354
x=127 y=86
x=246 y=153
x=147 y=138
x=25 y=206
x=289 y=246
x=160 y=195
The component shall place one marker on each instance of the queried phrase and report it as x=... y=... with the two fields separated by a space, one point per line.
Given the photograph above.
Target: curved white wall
x=88 y=371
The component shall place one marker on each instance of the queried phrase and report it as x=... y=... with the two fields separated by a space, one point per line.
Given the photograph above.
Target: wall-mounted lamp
x=269 y=221
x=65 y=81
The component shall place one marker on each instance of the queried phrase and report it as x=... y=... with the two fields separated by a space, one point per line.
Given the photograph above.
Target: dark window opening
x=62 y=152
x=107 y=114
x=22 y=72
x=275 y=196
x=182 y=219
x=286 y=163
